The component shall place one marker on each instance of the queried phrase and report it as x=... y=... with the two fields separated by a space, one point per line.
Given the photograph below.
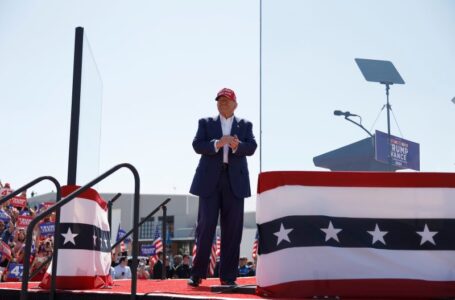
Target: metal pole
x=75 y=106
x=387 y=87
x=109 y=209
x=141 y=222
x=260 y=86
x=55 y=253
x=134 y=264
x=163 y=274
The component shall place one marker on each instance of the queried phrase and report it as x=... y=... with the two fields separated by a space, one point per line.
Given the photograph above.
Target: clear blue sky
x=162 y=62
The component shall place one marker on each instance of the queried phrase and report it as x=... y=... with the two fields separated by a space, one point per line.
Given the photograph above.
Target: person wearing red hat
x=222 y=182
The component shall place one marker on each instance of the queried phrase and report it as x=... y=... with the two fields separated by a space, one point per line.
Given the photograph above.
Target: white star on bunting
x=69 y=236
x=378 y=235
x=283 y=234
x=331 y=232
x=427 y=235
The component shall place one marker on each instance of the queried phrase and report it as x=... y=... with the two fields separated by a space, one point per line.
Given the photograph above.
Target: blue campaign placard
x=15 y=271
x=148 y=250
x=47 y=228
x=4 y=217
x=404 y=154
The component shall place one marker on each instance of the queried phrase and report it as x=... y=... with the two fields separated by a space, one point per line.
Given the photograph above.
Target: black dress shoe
x=194 y=281
x=228 y=282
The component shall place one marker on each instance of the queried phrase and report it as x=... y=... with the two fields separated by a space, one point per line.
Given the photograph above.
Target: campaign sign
x=4 y=217
x=15 y=271
x=148 y=250
x=23 y=221
x=5 y=192
x=403 y=154
x=47 y=228
x=19 y=201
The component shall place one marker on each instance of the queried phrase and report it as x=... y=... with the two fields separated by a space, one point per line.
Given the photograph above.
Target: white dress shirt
x=226 y=126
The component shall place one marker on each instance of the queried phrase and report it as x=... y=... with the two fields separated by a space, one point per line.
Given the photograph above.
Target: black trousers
x=223 y=203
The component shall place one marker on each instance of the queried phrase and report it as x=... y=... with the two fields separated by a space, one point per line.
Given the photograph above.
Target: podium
x=358 y=156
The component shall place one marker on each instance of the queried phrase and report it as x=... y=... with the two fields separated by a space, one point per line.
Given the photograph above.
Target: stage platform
x=146 y=289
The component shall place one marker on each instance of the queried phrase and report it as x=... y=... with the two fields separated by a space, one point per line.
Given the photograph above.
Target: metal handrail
x=141 y=222
x=37 y=270
x=164 y=235
x=109 y=208
x=26 y=270
x=29 y=185
x=28 y=240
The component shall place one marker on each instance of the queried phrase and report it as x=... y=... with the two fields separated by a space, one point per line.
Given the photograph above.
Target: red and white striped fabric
x=84 y=256
x=353 y=234
x=254 y=253
x=194 y=250
x=5 y=251
x=193 y=254
x=218 y=246
x=213 y=256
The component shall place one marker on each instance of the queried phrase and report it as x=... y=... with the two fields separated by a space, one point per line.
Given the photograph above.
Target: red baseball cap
x=228 y=93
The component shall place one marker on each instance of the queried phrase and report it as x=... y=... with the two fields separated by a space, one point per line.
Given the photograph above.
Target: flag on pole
x=213 y=256
x=193 y=254
x=120 y=234
x=356 y=235
x=84 y=255
x=157 y=243
x=255 y=246
x=195 y=243
x=5 y=250
x=218 y=246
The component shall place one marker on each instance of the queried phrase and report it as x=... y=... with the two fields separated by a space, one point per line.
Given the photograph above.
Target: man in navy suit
x=221 y=182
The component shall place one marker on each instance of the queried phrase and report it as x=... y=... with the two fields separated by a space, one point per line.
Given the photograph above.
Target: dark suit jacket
x=210 y=163
x=158 y=270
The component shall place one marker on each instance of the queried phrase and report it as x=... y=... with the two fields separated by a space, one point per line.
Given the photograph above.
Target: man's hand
x=234 y=143
x=226 y=139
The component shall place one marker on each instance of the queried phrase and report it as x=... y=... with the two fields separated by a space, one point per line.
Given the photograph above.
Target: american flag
x=213 y=256
x=218 y=246
x=5 y=250
x=158 y=243
x=194 y=250
x=255 y=246
x=120 y=233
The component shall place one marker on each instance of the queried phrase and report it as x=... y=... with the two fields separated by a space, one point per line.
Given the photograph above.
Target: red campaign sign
x=23 y=221
x=5 y=191
x=19 y=201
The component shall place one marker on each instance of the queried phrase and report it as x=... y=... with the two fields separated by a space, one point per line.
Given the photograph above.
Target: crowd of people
x=13 y=234
x=177 y=266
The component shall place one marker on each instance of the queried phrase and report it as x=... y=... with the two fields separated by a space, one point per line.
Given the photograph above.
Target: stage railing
x=29 y=234
x=29 y=185
x=164 y=208
x=110 y=203
x=58 y=205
